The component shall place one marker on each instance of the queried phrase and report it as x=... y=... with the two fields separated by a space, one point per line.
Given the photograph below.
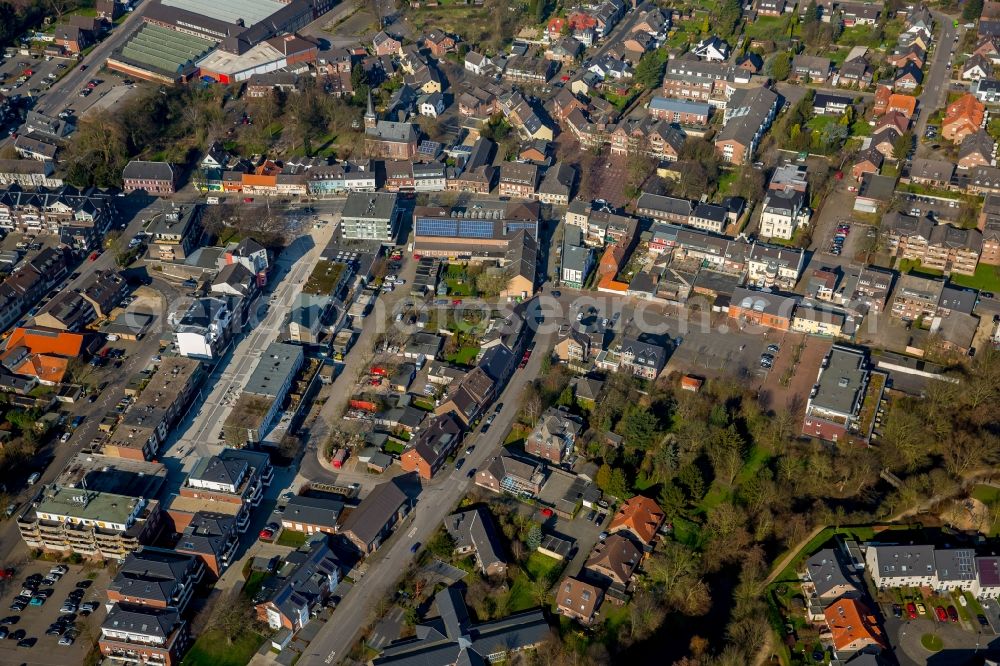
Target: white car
x=65 y=437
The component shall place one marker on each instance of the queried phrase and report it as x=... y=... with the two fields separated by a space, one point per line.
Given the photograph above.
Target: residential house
x=977 y=67
x=507 y=474
x=854 y=628
x=474 y=533
x=783 y=213
x=985 y=90
x=151 y=177
x=554 y=436
x=855 y=73
x=908 y=77
x=373 y=520
x=916 y=297
x=774 y=266
x=869 y=160
x=210 y=536
x=642 y=359
x=578 y=600
x=828 y=579
x=138 y=634
x=156 y=578
x=557 y=185
x=301 y=586
x=518 y=180
x=956 y=569
x=977 y=149
x=712 y=49
x=937 y=173
x=613 y=561
x=813 y=69
x=680 y=111
x=639 y=518
x=748 y=116
x=452 y=638
x=312 y=515
x=963 y=117
x=432 y=446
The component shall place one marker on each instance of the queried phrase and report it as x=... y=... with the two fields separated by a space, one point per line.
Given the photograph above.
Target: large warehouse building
x=226 y=41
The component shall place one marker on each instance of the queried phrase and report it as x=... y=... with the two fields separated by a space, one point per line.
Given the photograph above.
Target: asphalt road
x=937 y=80
x=435 y=502
x=58 y=95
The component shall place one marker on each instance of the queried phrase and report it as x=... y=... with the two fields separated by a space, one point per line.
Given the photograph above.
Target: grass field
x=394 y=447
x=987 y=278
x=213 y=649
x=464 y=356
x=293 y=539
x=538 y=568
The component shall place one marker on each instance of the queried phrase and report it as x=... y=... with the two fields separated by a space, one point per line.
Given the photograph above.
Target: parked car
x=942 y=615
x=952 y=613
x=911 y=610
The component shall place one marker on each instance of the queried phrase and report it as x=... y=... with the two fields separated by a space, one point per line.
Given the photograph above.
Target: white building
x=783 y=213
x=204 y=330
x=902 y=566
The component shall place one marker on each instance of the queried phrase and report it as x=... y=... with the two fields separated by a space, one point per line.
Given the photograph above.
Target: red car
x=941 y=615
x=457 y=301
x=248 y=200
x=7 y=573
x=911 y=610
x=94 y=255
x=952 y=614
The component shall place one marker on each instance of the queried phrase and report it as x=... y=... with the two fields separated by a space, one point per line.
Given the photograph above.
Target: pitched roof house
x=640 y=516
x=474 y=533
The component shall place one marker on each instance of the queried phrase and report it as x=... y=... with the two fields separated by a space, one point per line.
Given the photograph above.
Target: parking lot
x=795 y=369
x=959 y=637
x=34 y=621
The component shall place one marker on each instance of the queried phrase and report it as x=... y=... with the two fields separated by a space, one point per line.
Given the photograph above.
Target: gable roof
x=474 y=528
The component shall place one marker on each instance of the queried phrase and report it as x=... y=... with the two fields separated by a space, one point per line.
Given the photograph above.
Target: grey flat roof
x=278 y=362
x=841 y=380
x=370 y=205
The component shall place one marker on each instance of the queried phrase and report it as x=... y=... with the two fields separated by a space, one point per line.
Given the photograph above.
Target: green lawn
x=932 y=642
x=253 y=584
x=464 y=356
x=538 y=567
x=769 y=27
x=290 y=538
x=985 y=279
x=817 y=123
x=213 y=649
x=913 y=266
x=394 y=447
x=425 y=405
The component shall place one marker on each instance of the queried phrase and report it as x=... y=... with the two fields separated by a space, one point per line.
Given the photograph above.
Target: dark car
x=9 y=620
x=458 y=465
x=952 y=614
x=983 y=622
x=471 y=473
x=27 y=642
x=4 y=631
x=415 y=547
x=556 y=294
x=17 y=635
x=84 y=584
x=897 y=610
x=55 y=630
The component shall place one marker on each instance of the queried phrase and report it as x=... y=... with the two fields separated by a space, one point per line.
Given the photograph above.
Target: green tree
x=534 y=538
x=972 y=10
x=603 y=478
x=781 y=66
x=639 y=427
x=619 y=486
x=902 y=146
x=649 y=71
x=566 y=398
x=671 y=500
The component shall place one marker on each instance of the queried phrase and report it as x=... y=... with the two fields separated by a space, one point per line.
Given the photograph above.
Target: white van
x=33 y=479
x=212 y=201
